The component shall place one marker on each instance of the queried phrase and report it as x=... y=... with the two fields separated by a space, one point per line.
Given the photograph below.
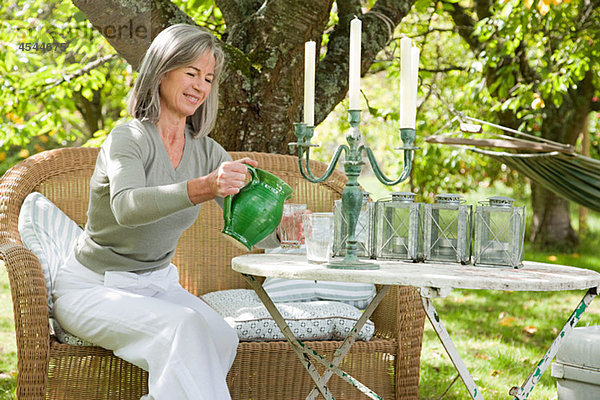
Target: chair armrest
x=400 y=316
x=30 y=308
x=400 y=310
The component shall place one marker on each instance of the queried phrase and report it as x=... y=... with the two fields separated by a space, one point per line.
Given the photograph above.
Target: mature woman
x=119 y=289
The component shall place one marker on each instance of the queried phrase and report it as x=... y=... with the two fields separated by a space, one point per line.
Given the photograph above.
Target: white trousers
x=150 y=320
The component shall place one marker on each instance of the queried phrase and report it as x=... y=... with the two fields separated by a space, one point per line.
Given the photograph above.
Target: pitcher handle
x=253 y=175
x=228 y=199
x=227 y=210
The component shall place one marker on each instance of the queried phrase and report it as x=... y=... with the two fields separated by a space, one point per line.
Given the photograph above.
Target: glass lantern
x=397 y=227
x=447 y=228
x=364 y=229
x=499 y=233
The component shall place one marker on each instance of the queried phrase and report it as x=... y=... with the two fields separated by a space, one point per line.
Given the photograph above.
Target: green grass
x=502 y=335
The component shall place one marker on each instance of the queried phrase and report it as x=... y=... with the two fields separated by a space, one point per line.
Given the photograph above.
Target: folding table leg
x=439 y=328
x=303 y=352
x=523 y=392
x=287 y=332
x=341 y=352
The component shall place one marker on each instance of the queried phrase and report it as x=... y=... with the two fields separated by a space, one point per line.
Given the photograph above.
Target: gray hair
x=175 y=47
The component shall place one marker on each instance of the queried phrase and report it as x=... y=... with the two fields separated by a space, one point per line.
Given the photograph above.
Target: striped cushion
x=282 y=290
x=48 y=233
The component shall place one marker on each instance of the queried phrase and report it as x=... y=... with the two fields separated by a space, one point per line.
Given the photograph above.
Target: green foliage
x=62 y=83
x=534 y=58
x=49 y=96
x=53 y=93
x=205 y=13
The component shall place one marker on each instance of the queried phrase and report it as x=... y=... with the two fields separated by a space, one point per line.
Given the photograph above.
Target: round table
x=432 y=280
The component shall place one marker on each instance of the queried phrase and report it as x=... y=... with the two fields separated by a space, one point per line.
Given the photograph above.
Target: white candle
x=414 y=78
x=354 y=73
x=309 y=83
x=406 y=70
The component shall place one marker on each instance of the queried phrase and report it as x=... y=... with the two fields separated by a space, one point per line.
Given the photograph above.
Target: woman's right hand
x=230 y=177
x=227 y=179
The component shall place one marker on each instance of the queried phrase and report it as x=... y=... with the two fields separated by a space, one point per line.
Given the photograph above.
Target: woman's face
x=184 y=89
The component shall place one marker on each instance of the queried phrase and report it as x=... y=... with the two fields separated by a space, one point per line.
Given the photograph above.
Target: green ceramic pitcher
x=255 y=211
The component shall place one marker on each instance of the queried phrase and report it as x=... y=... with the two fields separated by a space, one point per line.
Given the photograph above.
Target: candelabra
x=352 y=194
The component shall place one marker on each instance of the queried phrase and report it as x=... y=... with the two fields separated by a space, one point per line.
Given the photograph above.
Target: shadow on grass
x=532 y=317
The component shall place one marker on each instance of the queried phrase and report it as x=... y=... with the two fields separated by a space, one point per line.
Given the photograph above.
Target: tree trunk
x=585 y=150
x=551 y=224
x=262 y=86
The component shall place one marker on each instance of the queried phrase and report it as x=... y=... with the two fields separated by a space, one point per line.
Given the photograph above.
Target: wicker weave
x=47 y=369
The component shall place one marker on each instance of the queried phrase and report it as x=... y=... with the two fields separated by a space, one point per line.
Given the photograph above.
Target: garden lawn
x=502 y=335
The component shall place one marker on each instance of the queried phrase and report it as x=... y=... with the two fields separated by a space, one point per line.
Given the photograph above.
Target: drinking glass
x=318 y=234
x=290 y=228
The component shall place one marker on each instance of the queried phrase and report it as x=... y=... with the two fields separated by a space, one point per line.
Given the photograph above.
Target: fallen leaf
x=495 y=372
x=530 y=329
x=482 y=356
x=507 y=321
x=552 y=258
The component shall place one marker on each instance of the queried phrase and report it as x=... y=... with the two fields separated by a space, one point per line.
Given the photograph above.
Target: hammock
x=553 y=165
x=572 y=176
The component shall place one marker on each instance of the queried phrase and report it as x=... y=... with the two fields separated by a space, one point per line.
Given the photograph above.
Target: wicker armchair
x=47 y=369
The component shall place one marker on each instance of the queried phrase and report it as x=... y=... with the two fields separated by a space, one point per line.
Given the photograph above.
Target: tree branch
x=431 y=30
x=465 y=25
x=80 y=72
x=130 y=28
x=446 y=69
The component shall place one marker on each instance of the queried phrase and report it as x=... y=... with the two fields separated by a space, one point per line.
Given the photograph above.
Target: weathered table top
x=533 y=276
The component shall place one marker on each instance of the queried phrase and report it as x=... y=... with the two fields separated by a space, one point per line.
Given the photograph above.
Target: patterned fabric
x=317 y=320
x=48 y=233
x=65 y=337
x=282 y=290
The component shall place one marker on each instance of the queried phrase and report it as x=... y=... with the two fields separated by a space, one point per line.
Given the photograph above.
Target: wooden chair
x=47 y=369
